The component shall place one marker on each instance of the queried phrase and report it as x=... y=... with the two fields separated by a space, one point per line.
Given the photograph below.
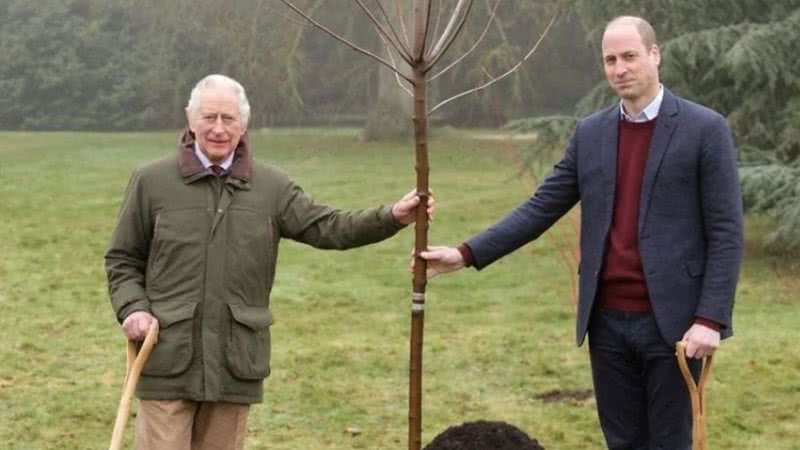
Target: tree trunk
x=420 y=120
x=420 y=266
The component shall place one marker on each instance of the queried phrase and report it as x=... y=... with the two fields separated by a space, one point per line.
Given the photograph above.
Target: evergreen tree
x=737 y=57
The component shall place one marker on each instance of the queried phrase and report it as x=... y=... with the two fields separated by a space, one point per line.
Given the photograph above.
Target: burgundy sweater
x=622 y=285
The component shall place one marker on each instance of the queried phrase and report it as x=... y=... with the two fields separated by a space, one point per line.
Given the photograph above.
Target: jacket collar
x=669 y=108
x=649 y=112
x=669 y=105
x=192 y=169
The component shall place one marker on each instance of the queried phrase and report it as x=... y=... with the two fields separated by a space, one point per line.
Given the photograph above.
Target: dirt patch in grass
x=566 y=396
x=483 y=435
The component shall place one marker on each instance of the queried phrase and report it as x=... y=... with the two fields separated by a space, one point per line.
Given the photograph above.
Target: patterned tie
x=217 y=170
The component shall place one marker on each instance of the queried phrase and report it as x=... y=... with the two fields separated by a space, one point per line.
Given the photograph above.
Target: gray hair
x=224 y=82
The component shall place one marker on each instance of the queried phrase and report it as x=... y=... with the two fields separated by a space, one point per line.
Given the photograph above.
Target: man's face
x=217 y=123
x=631 y=68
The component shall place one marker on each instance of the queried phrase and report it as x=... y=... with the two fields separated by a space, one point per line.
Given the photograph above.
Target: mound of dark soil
x=483 y=435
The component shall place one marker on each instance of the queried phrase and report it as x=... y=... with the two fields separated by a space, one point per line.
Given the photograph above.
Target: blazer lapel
x=608 y=153
x=666 y=123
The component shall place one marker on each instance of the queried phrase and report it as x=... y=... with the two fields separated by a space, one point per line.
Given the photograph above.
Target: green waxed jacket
x=198 y=252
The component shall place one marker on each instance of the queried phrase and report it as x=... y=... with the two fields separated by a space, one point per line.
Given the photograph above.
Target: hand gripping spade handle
x=697 y=394
x=136 y=359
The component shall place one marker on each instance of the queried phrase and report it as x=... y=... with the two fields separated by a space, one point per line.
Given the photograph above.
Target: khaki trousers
x=188 y=425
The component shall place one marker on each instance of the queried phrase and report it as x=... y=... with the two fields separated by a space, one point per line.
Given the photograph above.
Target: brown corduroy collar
x=189 y=165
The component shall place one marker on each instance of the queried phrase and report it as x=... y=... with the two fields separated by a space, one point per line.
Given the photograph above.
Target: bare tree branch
x=345 y=41
x=427 y=30
x=399 y=82
x=381 y=30
x=499 y=26
x=286 y=18
x=401 y=19
x=389 y=51
x=404 y=45
x=420 y=21
x=439 y=12
x=508 y=72
x=435 y=58
x=448 y=30
x=480 y=38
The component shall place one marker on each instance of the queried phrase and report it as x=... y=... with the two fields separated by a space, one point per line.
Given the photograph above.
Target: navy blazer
x=690 y=216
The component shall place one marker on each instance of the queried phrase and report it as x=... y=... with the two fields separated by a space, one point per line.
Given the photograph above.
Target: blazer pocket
x=248 y=351
x=696 y=268
x=172 y=355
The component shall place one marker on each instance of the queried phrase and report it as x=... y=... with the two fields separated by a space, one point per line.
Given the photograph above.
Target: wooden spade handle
x=697 y=395
x=136 y=359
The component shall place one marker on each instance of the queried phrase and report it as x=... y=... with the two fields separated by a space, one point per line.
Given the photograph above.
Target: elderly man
x=194 y=249
x=661 y=240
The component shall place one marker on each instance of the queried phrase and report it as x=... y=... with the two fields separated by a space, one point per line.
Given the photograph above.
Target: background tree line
x=129 y=65
x=114 y=65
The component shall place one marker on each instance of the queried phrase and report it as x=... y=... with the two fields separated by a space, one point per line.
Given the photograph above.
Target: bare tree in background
x=417 y=34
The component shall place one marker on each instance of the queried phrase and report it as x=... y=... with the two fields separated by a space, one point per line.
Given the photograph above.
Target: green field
x=495 y=342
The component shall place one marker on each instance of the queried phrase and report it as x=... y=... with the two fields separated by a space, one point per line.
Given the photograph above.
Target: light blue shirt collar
x=649 y=112
x=226 y=164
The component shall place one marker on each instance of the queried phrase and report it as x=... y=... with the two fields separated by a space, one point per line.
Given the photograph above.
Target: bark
x=421 y=18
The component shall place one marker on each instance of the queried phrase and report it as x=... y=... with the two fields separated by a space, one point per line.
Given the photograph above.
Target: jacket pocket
x=154 y=241
x=248 y=350
x=696 y=268
x=172 y=355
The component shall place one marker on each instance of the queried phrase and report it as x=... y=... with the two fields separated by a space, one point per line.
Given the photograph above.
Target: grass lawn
x=496 y=343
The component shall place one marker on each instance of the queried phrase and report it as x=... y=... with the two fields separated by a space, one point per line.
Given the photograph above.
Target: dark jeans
x=642 y=400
